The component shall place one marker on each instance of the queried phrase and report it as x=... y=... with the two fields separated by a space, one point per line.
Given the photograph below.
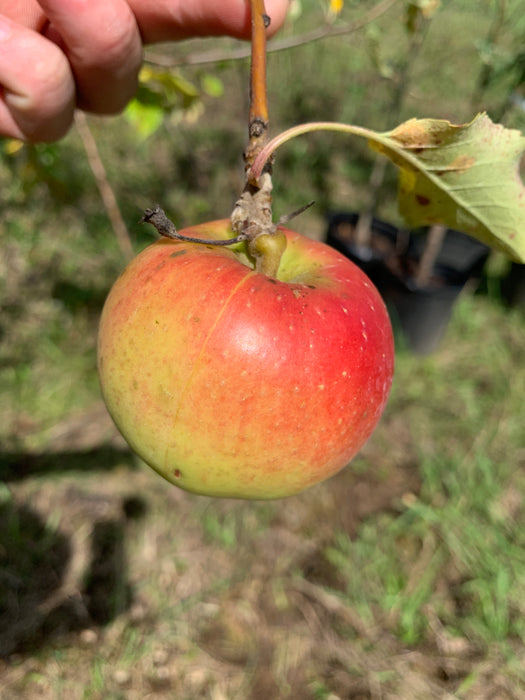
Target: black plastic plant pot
x=460 y=256
x=423 y=312
x=372 y=259
x=513 y=286
x=419 y=312
x=420 y=315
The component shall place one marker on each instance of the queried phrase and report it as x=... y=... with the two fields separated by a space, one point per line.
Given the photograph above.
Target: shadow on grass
x=15 y=466
x=38 y=606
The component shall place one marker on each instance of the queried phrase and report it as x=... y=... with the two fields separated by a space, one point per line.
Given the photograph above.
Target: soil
x=103 y=554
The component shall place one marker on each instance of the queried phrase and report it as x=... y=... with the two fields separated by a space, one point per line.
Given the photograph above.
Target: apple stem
x=267 y=250
x=252 y=214
x=251 y=219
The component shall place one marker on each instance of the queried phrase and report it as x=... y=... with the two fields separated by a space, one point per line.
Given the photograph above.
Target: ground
x=118 y=585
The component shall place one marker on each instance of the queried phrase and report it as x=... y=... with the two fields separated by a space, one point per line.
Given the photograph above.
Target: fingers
x=102 y=42
x=90 y=55
x=38 y=89
x=55 y=54
x=25 y=12
x=166 y=20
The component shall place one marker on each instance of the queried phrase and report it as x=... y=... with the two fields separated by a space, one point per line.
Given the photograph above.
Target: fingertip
x=17 y=120
x=276 y=11
x=37 y=105
x=102 y=43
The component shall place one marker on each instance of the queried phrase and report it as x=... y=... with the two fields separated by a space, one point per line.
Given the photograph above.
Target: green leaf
x=171 y=81
x=463 y=176
x=466 y=177
x=145 y=118
x=178 y=84
x=212 y=85
x=167 y=89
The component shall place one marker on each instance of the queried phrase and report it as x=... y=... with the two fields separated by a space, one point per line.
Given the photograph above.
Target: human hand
x=56 y=55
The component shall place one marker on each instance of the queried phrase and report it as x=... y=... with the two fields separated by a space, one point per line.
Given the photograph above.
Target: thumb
x=167 y=20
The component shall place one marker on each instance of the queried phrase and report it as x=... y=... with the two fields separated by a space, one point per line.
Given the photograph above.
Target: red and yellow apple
x=231 y=383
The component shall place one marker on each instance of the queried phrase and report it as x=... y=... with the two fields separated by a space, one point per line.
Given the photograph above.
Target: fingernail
x=6 y=28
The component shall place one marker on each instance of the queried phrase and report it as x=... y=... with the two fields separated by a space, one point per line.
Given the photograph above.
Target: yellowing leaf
x=12 y=146
x=146 y=74
x=463 y=176
x=167 y=82
x=466 y=177
x=429 y=7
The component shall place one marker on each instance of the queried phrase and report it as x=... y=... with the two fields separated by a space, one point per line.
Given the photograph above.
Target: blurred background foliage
x=425 y=575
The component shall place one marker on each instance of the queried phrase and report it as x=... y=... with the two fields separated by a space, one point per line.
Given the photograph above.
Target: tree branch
x=220 y=55
x=104 y=187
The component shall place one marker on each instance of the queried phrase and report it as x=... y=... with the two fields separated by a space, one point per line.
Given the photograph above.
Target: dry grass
x=130 y=588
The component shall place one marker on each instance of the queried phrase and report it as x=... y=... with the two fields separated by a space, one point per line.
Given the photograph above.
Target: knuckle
x=116 y=49
x=107 y=70
x=52 y=82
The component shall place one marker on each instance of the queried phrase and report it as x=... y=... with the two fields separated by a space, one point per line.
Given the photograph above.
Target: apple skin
x=230 y=383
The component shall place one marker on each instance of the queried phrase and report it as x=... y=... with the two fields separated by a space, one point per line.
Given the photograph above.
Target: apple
x=232 y=383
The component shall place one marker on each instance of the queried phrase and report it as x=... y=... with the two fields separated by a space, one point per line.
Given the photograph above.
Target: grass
x=401 y=577
x=404 y=572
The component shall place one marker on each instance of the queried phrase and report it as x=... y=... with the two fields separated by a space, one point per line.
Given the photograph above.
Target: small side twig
x=156 y=216
x=166 y=228
x=285 y=218
x=104 y=187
